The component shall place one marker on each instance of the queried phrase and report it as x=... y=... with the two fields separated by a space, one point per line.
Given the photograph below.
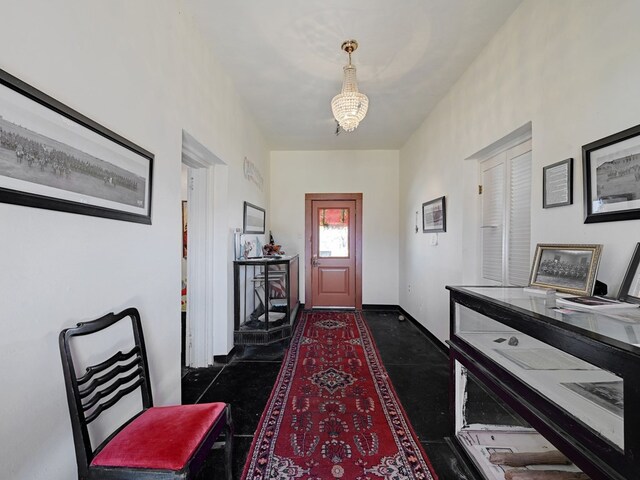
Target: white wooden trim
x=209 y=328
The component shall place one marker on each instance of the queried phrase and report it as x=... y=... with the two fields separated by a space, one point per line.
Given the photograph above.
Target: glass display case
x=573 y=375
x=266 y=299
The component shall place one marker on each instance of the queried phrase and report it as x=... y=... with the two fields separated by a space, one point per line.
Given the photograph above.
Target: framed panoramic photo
x=434 y=216
x=630 y=288
x=253 y=219
x=557 y=184
x=612 y=177
x=566 y=268
x=55 y=158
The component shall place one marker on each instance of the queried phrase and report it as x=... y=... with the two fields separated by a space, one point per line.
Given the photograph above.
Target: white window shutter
x=492 y=222
x=519 y=237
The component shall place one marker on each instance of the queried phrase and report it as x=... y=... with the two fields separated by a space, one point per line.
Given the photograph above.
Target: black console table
x=265 y=299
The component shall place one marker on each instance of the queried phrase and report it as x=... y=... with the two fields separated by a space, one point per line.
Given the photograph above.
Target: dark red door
x=333 y=257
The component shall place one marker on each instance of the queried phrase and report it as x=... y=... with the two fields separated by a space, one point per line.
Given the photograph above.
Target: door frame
x=308 y=230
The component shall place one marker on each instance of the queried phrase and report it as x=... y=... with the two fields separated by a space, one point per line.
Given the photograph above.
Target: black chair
x=156 y=443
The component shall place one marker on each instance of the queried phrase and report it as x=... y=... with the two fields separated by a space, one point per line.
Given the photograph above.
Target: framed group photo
x=434 y=216
x=55 y=158
x=612 y=177
x=566 y=268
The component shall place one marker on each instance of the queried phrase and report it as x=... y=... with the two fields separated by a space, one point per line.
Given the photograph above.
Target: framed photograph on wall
x=557 y=184
x=566 y=268
x=253 y=219
x=630 y=288
x=612 y=177
x=434 y=216
x=55 y=158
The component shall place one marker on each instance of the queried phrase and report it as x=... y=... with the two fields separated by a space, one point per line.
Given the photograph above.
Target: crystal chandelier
x=349 y=106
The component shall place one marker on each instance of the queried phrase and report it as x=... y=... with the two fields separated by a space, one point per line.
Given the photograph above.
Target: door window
x=333 y=232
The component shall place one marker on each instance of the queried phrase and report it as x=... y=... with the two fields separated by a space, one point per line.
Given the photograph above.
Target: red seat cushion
x=162 y=437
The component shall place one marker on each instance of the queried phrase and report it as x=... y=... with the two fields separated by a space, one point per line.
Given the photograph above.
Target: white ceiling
x=285 y=60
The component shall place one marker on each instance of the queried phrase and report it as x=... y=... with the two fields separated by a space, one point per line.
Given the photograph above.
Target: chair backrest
x=105 y=383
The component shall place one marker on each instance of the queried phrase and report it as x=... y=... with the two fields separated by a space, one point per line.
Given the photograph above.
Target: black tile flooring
x=418 y=368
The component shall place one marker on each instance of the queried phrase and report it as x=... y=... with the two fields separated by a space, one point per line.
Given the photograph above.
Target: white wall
x=140 y=69
x=374 y=173
x=572 y=69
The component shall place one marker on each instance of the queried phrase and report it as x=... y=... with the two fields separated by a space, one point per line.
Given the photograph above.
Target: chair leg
x=228 y=446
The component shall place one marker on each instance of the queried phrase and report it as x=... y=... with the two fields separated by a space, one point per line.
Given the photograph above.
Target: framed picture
x=630 y=288
x=56 y=158
x=254 y=219
x=566 y=268
x=612 y=177
x=434 y=216
x=557 y=184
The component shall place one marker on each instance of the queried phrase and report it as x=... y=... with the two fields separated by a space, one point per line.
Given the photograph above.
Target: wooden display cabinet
x=574 y=376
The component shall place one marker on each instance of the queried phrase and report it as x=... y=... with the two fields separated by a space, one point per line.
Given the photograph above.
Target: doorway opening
x=208 y=332
x=333 y=233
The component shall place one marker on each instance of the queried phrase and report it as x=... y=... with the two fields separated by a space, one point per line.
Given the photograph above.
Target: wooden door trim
x=308 y=199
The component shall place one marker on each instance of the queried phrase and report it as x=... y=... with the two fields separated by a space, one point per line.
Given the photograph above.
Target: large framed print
x=434 y=216
x=630 y=288
x=566 y=268
x=557 y=184
x=253 y=219
x=55 y=158
x=612 y=177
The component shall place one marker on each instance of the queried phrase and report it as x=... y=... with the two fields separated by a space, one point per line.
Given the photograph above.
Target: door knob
x=314 y=261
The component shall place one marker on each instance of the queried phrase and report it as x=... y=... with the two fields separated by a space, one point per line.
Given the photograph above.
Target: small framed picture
x=630 y=288
x=612 y=177
x=557 y=184
x=434 y=216
x=566 y=268
x=253 y=219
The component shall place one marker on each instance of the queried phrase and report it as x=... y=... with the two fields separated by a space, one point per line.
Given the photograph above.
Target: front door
x=334 y=227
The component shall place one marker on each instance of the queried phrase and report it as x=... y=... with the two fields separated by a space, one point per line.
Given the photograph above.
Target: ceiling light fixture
x=349 y=106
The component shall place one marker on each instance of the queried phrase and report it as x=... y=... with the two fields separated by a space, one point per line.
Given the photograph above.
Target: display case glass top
x=608 y=326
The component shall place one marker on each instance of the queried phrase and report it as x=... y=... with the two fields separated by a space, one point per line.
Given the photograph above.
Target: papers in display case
x=595 y=303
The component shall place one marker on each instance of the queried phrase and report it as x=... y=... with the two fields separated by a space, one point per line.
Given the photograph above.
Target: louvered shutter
x=492 y=222
x=519 y=237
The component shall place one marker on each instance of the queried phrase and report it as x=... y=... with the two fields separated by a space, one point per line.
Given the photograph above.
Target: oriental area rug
x=333 y=412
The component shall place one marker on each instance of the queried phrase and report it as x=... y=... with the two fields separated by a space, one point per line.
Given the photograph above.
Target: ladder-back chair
x=170 y=442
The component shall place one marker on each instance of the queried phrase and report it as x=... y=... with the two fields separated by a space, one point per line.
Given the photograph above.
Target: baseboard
x=424 y=330
x=224 y=359
x=374 y=306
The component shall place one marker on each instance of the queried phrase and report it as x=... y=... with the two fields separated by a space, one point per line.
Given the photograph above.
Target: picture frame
x=630 y=289
x=434 y=216
x=55 y=158
x=557 y=184
x=611 y=168
x=253 y=219
x=566 y=268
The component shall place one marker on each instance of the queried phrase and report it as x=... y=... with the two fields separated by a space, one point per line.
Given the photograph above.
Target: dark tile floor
x=418 y=368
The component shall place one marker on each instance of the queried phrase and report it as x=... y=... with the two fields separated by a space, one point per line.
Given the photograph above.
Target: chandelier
x=349 y=106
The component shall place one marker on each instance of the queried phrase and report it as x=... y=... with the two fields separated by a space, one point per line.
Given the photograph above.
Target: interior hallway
x=418 y=367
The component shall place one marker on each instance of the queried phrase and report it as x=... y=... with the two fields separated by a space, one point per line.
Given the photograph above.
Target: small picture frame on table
x=630 y=288
x=566 y=268
x=557 y=184
x=434 y=216
x=611 y=168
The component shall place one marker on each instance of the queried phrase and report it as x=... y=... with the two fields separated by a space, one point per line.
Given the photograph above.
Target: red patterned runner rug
x=333 y=412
